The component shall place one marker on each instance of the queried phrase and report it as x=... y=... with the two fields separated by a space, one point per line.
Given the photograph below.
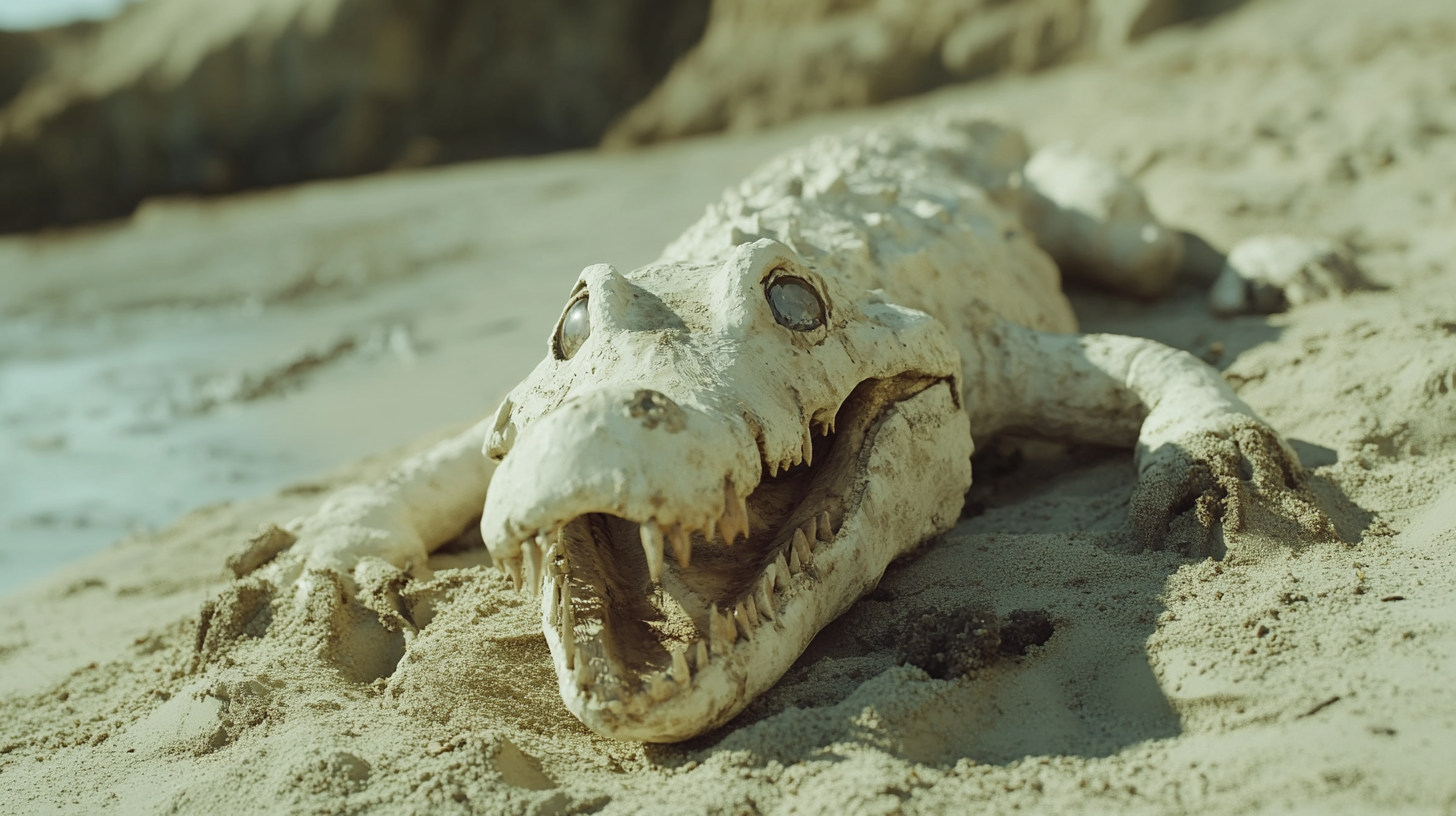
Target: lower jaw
x=909 y=488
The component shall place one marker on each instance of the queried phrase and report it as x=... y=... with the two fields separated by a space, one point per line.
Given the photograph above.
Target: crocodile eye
x=795 y=304
x=575 y=329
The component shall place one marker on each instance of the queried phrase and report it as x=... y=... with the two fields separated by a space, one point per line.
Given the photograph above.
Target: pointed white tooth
x=773 y=469
x=553 y=600
x=532 y=558
x=722 y=630
x=700 y=653
x=513 y=569
x=808 y=452
x=735 y=516
x=810 y=532
x=826 y=533
x=763 y=594
x=568 y=628
x=652 y=545
x=740 y=621
x=680 y=671
x=795 y=566
x=781 y=573
x=801 y=548
x=751 y=606
x=682 y=545
x=708 y=530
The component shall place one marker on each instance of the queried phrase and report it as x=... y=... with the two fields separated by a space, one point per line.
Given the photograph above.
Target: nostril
x=654 y=408
x=503 y=435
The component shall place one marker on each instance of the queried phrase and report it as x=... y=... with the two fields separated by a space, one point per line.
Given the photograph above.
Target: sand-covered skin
x=1286 y=677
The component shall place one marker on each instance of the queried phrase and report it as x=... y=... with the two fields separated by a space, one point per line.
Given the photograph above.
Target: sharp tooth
x=773 y=469
x=764 y=596
x=682 y=546
x=513 y=569
x=808 y=452
x=740 y=619
x=751 y=604
x=700 y=652
x=709 y=530
x=735 y=516
x=568 y=629
x=826 y=533
x=801 y=548
x=722 y=630
x=532 y=557
x=559 y=559
x=810 y=532
x=795 y=566
x=652 y=545
x=781 y=573
x=680 y=671
x=553 y=600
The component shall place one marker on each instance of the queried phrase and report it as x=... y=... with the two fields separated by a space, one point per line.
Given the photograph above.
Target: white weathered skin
x=685 y=420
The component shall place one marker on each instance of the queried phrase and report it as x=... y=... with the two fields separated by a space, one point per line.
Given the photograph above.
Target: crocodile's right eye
x=795 y=304
x=574 y=330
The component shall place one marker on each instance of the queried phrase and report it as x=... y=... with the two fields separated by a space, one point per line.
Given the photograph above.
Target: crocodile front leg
x=1198 y=446
x=339 y=570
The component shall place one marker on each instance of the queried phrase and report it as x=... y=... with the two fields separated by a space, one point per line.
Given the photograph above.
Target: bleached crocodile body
x=724 y=449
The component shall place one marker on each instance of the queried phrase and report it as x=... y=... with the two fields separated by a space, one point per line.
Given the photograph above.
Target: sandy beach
x=178 y=379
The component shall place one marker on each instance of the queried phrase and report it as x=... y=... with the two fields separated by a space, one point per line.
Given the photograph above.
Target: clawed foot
x=355 y=619
x=1240 y=478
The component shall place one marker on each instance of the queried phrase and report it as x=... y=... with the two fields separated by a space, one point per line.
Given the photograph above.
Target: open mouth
x=636 y=612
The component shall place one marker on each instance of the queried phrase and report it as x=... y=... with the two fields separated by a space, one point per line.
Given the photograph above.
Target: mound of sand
x=1286 y=676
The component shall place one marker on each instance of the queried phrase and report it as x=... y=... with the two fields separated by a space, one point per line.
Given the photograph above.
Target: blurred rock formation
x=762 y=62
x=198 y=96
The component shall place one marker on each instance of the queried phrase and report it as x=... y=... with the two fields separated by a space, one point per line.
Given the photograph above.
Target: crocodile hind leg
x=1096 y=224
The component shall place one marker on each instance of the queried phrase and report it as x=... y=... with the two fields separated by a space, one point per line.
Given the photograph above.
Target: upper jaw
x=630 y=453
x=658 y=627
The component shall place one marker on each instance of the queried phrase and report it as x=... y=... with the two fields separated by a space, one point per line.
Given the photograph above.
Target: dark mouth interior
x=627 y=624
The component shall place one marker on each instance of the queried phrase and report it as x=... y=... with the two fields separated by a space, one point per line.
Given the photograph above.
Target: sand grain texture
x=1284 y=677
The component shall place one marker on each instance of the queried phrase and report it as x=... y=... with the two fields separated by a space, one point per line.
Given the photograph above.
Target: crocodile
x=724 y=449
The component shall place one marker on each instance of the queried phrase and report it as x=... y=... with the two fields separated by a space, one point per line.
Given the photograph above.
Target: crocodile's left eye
x=575 y=329
x=795 y=304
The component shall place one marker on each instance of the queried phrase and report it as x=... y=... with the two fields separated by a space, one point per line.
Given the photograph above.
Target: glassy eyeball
x=795 y=304
x=575 y=329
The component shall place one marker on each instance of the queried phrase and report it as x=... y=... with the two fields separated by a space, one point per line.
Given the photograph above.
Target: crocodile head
x=712 y=463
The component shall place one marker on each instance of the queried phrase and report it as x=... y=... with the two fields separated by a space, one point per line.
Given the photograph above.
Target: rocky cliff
x=194 y=96
x=766 y=61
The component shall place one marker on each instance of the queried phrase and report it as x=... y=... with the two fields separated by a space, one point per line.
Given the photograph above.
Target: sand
x=1287 y=676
